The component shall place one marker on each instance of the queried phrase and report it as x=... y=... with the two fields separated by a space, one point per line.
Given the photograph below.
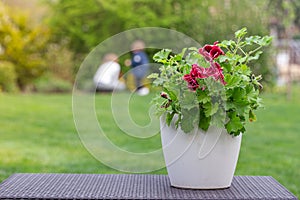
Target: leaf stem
x=242 y=51
x=253 y=51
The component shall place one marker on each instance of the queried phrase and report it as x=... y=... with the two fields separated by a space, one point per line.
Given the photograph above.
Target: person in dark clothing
x=140 y=66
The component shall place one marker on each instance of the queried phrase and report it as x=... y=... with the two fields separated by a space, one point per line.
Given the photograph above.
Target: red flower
x=191 y=78
x=219 y=75
x=192 y=82
x=205 y=53
x=216 y=51
x=211 y=52
x=198 y=72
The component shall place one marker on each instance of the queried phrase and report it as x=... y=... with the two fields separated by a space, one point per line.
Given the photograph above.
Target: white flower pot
x=199 y=160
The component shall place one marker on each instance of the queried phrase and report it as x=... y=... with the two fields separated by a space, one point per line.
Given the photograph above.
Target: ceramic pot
x=199 y=160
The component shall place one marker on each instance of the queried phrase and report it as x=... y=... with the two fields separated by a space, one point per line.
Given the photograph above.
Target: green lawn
x=37 y=134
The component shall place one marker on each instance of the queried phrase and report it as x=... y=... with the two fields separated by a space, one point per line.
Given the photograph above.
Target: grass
x=37 y=134
x=271 y=145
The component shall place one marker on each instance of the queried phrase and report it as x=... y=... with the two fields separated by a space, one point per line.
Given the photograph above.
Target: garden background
x=43 y=43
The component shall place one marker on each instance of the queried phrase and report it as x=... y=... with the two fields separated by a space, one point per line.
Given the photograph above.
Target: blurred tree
x=7 y=77
x=86 y=23
x=285 y=14
x=22 y=45
x=59 y=76
x=60 y=61
x=296 y=5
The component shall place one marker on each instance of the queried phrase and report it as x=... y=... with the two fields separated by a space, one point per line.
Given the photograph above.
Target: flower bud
x=164 y=95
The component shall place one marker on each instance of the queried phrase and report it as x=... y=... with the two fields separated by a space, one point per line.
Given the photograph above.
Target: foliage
x=48 y=83
x=84 y=32
x=208 y=87
x=296 y=5
x=97 y=20
x=60 y=61
x=7 y=77
x=22 y=44
x=284 y=15
x=204 y=21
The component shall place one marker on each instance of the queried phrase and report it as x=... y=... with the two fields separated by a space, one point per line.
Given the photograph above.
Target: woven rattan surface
x=132 y=186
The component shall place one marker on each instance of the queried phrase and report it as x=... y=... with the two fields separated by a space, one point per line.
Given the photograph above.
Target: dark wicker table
x=132 y=186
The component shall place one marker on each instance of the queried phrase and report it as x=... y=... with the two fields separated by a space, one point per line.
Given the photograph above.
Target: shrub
x=22 y=44
x=50 y=84
x=7 y=77
x=60 y=61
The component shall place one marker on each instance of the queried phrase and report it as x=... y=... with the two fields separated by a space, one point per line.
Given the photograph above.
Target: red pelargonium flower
x=199 y=72
x=219 y=74
x=205 y=54
x=191 y=78
x=211 y=52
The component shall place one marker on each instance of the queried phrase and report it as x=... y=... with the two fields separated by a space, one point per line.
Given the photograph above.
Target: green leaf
x=210 y=109
x=231 y=81
x=244 y=69
x=227 y=44
x=253 y=40
x=162 y=55
x=153 y=75
x=252 y=116
x=188 y=100
x=238 y=101
x=218 y=119
x=189 y=119
x=240 y=33
x=169 y=118
x=255 y=57
x=204 y=121
x=178 y=57
x=171 y=94
x=223 y=58
x=159 y=81
x=265 y=41
x=251 y=93
x=183 y=52
x=238 y=94
x=194 y=57
x=193 y=49
x=243 y=59
x=177 y=123
x=234 y=125
x=185 y=69
x=248 y=40
x=227 y=66
x=202 y=96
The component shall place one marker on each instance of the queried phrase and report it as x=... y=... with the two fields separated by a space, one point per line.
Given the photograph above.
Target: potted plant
x=207 y=96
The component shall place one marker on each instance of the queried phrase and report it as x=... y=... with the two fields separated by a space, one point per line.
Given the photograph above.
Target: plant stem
x=258 y=48
x=242 y=51
x=236 y=49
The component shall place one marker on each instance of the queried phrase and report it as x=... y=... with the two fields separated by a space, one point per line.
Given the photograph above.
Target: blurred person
x=140 y=66
x=107 y=75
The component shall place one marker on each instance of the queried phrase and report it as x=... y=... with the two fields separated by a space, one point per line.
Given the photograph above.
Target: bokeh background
x=44 y=42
